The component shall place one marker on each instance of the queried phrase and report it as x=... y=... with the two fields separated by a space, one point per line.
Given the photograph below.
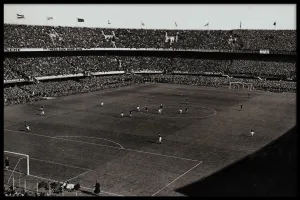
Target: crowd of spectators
x=267 y=85
x=29 y=36
x=45 y=189
x=33 y=92
x=18 y=67
x=52 y=66
x=15 y=192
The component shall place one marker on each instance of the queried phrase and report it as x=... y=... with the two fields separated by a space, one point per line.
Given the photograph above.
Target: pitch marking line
x=158 y=154
x=145 y=152
x=98 y=138
x=176 y=178
x=78 y=175
x=61 y=138
x=59 y=164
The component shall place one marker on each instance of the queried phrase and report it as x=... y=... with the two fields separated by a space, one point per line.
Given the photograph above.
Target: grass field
x=80 y=141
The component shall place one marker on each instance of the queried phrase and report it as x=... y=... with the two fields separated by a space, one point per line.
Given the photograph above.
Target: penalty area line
x=177 y=178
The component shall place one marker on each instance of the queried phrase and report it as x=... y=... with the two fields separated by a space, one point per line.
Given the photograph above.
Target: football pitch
x=81 y=141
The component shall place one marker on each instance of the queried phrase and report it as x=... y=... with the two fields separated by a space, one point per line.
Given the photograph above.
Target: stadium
x=145 y=112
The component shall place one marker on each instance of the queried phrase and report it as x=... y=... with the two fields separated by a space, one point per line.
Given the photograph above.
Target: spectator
x=6 y=163
x=97 y=188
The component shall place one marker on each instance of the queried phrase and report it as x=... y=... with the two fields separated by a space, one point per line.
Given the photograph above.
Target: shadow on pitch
x=153 y=142
x=271 y=171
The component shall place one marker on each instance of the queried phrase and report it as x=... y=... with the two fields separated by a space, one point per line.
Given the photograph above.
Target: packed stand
x=267 y=85
x=33 y=92
x=15 y=68
x=28 y=36
x=53 y=66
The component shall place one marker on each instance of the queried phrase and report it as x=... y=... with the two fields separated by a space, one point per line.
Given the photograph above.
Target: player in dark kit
x=130 y=113
x=242 y=107
x=187 y=100
x=186 y=110
x=161 y=106
x=146 y=109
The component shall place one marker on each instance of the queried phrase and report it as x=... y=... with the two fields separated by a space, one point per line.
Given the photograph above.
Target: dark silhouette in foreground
x=271 y=171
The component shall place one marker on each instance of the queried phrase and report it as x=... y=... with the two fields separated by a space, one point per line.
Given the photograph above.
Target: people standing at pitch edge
x=97 y=187
x=6 y=163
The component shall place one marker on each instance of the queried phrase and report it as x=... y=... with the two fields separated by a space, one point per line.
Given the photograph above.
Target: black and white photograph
x=149 y=100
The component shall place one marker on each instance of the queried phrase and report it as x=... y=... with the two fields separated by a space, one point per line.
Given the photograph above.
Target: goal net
x=241 y=85
x=18 y=162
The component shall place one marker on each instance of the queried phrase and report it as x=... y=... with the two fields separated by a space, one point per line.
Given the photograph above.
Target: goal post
x=18 y=162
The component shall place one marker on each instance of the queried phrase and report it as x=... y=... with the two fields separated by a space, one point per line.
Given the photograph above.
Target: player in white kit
x=42 y=110
x=180 y=110
x=159 y=138
x=101 y=103
x=159 y=111
x=138 y=108
x=122 y=114
x=252 y=132
x=27 y=127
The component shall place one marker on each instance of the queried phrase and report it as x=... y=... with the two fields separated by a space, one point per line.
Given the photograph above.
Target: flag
x=108 y=22
x=142 y=23
x=49 y=18
x=175 y=24
x=80 y=20
x=20 y=16
x=206 y=24
x=274 y=24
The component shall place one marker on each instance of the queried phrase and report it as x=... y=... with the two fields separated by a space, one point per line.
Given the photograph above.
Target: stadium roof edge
x=152 y=28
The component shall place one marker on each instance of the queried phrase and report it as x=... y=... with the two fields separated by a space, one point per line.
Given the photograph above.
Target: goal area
x=241 y=85
x=18 y=162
